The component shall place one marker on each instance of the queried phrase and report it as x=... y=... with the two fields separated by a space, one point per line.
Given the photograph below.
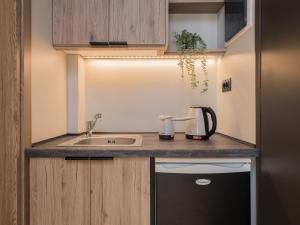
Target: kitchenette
x=149 y=112
x=148 y=182
x=142 y=113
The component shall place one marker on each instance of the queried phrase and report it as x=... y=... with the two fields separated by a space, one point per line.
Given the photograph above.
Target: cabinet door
x=77 y=22
x=138 y=22
x=59 y=192
x=153 y=22
x=120 y=192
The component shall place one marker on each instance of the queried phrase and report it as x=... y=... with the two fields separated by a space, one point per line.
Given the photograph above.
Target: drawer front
x=206 y=199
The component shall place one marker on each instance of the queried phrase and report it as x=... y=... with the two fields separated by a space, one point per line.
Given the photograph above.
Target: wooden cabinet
x=59 y=192
x=77 y=22
x=96 y=192
x=138 y=22
x=120 y=192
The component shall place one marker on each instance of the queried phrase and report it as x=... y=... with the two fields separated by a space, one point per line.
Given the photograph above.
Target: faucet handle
x=98 y=116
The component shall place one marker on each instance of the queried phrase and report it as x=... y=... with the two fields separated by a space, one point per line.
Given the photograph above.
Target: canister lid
x=164 y=117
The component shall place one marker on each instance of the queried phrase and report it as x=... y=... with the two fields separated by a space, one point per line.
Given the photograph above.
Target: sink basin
x=105 y=140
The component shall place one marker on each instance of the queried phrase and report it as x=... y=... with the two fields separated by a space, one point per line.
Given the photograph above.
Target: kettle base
x=166 y=137
x=196 y=137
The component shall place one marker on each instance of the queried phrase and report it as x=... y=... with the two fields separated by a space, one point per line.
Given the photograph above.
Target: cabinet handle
x=99 y=43
x=102 y=158
x=88 y=158
x=76 y=158
x=120 y=43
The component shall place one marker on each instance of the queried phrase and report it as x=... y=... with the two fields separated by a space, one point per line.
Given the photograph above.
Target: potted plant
x=190 y=47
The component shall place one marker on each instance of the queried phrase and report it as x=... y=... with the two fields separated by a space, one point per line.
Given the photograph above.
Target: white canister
x=166 y=131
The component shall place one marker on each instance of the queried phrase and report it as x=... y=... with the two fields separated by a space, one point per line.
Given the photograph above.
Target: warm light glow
x=141 y=62
x=130 y=57
x=131 y=63
x=175 y=57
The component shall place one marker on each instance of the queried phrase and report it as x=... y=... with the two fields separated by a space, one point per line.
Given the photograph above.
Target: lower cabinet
x=59 y=192
x=84 y=192
x=120 y=192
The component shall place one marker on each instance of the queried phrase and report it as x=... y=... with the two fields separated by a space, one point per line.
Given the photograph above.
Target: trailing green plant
x=190 y=47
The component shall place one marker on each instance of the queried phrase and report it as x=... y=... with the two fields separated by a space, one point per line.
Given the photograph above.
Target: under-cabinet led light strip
x=149 y=57
x=130 y=57
x=211 y=53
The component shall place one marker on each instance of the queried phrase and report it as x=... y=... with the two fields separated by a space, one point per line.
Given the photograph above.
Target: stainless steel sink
x=105 y=140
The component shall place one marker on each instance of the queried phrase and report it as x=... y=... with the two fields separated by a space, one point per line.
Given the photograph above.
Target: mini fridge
x=191 y=192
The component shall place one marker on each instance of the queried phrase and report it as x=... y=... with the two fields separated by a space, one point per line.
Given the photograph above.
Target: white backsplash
x=131 y=94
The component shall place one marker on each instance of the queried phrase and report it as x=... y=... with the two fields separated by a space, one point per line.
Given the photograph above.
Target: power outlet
x=226 y=85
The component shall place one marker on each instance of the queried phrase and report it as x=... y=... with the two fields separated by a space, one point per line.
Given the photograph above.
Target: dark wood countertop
x=218 y=146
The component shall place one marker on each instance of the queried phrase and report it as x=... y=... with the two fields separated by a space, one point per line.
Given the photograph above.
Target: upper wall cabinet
x=80 y=23
x=138 y=22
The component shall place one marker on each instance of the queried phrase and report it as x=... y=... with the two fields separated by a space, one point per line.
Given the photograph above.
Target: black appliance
x=235 y=17
x=208 y=194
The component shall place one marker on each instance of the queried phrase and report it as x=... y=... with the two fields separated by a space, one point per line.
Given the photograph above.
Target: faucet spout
x=91 y=124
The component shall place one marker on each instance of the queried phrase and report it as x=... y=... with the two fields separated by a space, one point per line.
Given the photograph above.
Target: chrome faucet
x=91 y=124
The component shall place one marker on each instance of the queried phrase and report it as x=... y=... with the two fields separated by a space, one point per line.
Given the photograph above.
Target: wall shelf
x=209 y=52
x=195 y=7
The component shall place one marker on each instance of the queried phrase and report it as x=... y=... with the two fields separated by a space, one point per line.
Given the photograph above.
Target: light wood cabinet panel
x=59 y=192
x=124 y=21
x=120 y=192
x=139 y=22
x=153 y=22
x=77 y=22
x=11 y=124
x=97 y=192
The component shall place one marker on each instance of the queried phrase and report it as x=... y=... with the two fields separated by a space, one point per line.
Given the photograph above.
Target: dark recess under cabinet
x=226 y=201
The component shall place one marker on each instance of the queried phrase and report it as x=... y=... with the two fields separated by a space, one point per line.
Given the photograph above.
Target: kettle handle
x=210 y=111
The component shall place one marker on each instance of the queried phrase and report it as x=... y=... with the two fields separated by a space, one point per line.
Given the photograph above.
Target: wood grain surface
x=10 y=112
x=59 y=192
x=120 y=192
x=153 y=24
x=77 y=22
x=124 y=21
x=138 y=21
x=195 y=7
x=25 y=68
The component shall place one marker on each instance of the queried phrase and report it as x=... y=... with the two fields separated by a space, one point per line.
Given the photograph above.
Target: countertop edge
x=239 y=153
x=221 y=146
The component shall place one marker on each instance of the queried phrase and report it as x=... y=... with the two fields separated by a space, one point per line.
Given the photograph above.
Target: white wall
x=49 y=94
x=206 y=25
x=236 y=109
x=131 y=94
x=76 y=94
